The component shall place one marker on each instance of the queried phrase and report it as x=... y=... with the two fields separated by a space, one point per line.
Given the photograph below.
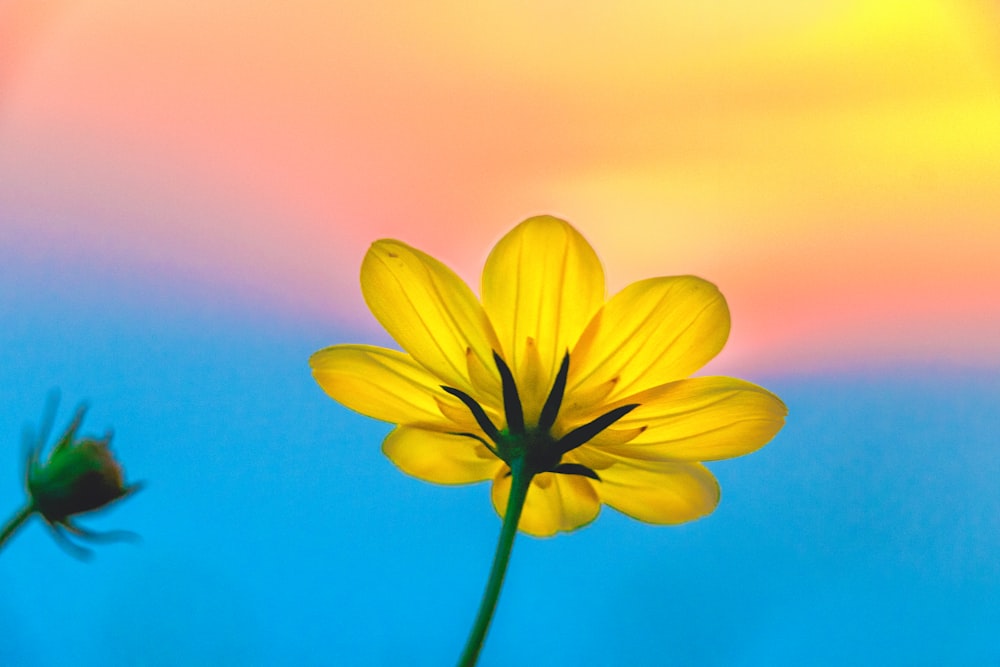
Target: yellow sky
x=832 y=165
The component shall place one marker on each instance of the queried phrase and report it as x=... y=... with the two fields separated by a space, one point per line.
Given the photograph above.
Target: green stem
x=519 y=483
x=15 y=522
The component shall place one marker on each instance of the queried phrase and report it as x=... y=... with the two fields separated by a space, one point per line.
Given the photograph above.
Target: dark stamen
x=551 y=408
x=511 y=399
x=582 y=434
x=477 y=411
x=576 y=469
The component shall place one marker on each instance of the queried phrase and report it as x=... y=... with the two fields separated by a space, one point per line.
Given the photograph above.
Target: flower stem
x=15 y=522
x=519 y=483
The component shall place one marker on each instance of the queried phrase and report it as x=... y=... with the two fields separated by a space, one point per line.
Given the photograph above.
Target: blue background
x=275 y=532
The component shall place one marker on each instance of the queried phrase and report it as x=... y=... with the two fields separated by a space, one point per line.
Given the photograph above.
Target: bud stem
x=519 y=483
x=16 y=522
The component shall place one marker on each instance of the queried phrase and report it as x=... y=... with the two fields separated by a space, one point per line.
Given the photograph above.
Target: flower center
x=535 y=445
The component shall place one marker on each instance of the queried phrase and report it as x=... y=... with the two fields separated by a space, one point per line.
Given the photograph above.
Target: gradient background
x=185 y=197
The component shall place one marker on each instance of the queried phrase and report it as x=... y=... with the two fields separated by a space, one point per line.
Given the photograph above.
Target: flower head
x=79 y=476
x=591 y=396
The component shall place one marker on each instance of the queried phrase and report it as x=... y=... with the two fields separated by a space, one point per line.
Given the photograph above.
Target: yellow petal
x=380 y=383
x=669 y=494
x=440 y=457
x=541 y=284
x=652 y=332
x=555 y=502
x=700 y=419
x=428 y=310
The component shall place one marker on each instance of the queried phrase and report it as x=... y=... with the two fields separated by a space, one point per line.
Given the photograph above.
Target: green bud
x=79 y=475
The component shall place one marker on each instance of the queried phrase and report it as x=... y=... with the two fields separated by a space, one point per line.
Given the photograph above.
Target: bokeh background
x=186 y=192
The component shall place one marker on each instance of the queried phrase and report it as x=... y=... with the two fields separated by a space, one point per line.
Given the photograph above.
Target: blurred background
x=186 y=193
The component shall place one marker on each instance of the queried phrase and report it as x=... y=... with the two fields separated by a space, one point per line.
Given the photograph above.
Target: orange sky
x=833 y=166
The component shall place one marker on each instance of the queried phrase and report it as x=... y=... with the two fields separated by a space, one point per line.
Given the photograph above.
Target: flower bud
x=80 y=475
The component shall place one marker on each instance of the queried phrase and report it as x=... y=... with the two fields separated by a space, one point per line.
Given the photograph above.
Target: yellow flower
x=592 y=397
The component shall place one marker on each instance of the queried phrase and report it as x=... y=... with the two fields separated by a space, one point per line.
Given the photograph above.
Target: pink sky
x=833 y=166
